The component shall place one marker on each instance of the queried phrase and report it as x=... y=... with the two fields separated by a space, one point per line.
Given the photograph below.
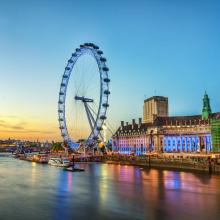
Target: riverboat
x=41 y=158
x=33 y=157
x=59 y=162
x=73 y=169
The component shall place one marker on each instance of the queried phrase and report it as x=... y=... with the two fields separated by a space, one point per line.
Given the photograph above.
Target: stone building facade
x=168 y=134
x=155 y=106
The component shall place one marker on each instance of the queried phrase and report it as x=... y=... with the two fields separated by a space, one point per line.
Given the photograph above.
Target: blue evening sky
x=154 y=47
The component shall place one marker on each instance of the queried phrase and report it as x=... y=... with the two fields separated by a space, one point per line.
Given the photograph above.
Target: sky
x=153 y=47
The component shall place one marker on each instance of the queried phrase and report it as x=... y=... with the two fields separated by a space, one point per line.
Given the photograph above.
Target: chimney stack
x=139 y=122
x=133 y=123
x=126 y=123
x=122 y=124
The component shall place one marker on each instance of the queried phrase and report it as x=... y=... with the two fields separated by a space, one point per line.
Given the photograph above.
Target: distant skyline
x=153 y=47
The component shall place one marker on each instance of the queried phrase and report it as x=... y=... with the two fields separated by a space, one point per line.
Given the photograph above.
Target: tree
x=57 y=146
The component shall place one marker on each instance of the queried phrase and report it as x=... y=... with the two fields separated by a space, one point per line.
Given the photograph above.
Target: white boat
x=59 y=162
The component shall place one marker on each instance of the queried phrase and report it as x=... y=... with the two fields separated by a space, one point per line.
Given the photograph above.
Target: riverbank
x=168 y=162
x=181 y=164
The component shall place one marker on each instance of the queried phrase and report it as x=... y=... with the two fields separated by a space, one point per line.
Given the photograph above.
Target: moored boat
x=74 y=169
x=59 y=162
x=33 y=157
x=42 y=158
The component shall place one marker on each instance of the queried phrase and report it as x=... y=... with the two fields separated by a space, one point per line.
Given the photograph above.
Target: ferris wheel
x=83 y=96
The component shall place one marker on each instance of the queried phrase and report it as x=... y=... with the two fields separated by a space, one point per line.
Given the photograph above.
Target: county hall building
x=160 y=132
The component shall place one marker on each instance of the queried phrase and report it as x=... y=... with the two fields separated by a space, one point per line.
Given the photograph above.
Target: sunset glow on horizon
x=15 y=127
x=152 y=48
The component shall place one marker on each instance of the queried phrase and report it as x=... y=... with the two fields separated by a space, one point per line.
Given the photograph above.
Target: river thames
x=34 y=191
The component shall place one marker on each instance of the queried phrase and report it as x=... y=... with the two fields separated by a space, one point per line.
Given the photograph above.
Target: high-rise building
x=156 y=106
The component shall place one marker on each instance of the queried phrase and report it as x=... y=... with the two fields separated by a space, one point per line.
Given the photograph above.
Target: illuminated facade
x=169 y=134
x=215 y=131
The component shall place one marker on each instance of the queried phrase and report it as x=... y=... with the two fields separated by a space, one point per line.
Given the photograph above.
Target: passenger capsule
x=67 y=68
x=70 y=61
x=105 y=105
x=102 y=117
x=95 y=47
x=105 y=68
x=106 y=92
x=103 y=59
x=99 y=52
x=107 y=80
x=91 y=45
x=63 y=84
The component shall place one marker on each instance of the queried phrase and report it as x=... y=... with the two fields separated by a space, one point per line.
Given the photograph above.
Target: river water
x=34 y=191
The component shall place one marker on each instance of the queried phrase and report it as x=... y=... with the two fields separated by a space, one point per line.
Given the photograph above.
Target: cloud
x=28 y=131
x=3 y=123
x=9 y=116
x=17 y=126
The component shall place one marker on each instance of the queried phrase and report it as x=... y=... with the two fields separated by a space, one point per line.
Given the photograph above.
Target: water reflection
x=103 y=185
x=105 y=192
x=64 y=187
x=33 y=172
x=172 y=180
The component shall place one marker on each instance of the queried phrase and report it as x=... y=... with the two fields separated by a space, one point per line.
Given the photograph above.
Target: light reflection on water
x=33 y=173
x=104 y=191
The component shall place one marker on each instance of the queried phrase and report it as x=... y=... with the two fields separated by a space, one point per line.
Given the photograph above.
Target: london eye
x=83 y=96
